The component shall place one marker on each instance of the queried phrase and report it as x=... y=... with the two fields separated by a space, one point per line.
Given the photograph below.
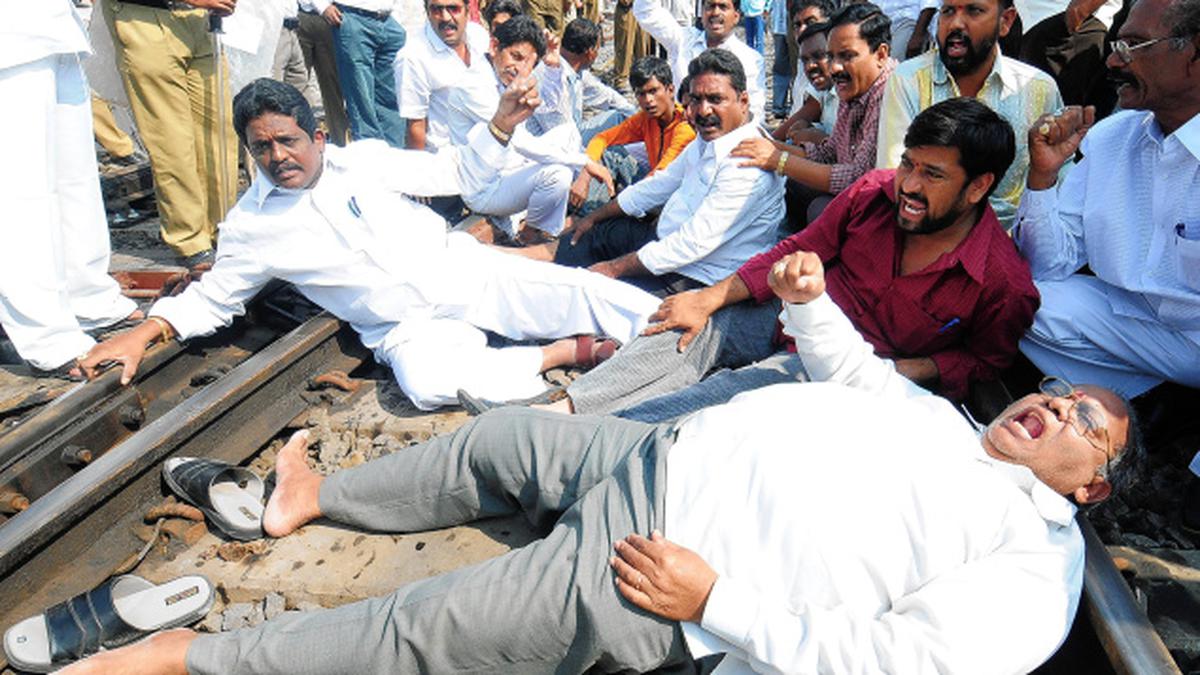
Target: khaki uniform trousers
x=630 y=41
x=108 y=134
x=547 y=13
x=167 y=65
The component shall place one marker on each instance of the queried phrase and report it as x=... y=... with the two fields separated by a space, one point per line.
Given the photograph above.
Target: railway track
x=226 y=403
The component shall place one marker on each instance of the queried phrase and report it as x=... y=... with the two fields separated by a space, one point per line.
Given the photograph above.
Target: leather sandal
x=119 y=611
x=231 y=497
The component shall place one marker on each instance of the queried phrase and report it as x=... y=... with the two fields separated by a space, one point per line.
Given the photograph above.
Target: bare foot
x=160 y=654
x=294 y=501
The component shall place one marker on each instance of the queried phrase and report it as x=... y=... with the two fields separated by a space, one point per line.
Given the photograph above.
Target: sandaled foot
x=297 y=487
x=163 y=653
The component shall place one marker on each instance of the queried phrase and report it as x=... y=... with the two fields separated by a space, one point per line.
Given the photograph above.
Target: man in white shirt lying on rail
x=856 y=525
x=342 y=226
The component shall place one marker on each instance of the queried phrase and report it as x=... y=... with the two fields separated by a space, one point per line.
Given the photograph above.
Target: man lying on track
x=859 y=524
x=341 y=224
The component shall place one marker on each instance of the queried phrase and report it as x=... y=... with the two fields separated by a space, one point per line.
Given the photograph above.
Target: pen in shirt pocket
x=353 y=204
x=949 y=324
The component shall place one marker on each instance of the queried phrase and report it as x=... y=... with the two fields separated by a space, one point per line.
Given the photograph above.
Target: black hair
x=684 y=85
x=1183 y=18
x=820 y=28
x=827 y=7
x=265 y=95
x=510 y=7
x=985 y=140
x=1127 y=467
x=719 y=62
x=873 y=25
x=520 y=29
x=580 y=35
x=647 y=68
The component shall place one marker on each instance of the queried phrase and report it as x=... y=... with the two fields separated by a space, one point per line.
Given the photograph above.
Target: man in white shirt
x=340 y=224
x=54 y=281
x=857 y=525
x=594 y=106
x=1128 y=211
x=448 y=51
x=366 y=38
x=684 y=43
x=715 y=214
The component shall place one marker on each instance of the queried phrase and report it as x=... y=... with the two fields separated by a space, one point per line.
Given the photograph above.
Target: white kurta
x=54 y=281
x=857 y=526
x=358 y=246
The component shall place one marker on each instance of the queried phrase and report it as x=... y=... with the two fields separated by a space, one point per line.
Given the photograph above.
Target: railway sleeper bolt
x=76 y=455
x=132 y=416
x=13 y=502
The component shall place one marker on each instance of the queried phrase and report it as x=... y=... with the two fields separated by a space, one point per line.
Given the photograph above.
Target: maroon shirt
x=966 y=310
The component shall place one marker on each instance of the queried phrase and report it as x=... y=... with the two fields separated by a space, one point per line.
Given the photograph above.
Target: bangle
x=499 y=133
x=163 y=327
x=783 y=158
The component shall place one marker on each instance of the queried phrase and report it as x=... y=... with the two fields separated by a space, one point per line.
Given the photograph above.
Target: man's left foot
x=297 y=488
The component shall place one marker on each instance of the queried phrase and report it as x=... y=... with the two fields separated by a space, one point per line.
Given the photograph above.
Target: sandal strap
x=82 y=625
x=196 y=476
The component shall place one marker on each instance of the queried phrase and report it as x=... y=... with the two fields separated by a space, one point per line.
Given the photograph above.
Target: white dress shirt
x=857 y=526
x=684 y=43
x=1129 y=212
x=359 y=247
x=42 y=29
x=426 y=71
x=717 y=214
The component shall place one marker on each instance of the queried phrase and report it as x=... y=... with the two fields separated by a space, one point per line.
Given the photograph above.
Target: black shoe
x=1190 y=511
x=198 y=263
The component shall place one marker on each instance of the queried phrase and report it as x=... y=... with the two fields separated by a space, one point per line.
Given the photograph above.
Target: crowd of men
x=777 y=298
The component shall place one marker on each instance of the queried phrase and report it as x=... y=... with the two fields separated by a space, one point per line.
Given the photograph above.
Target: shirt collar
x=1050 y=505
x=1188 y=135
x=722 y=146
x=1007 y=77
x=973 y=251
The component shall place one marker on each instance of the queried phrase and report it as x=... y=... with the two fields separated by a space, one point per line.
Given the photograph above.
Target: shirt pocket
x=913 y=331
x=1187 y=254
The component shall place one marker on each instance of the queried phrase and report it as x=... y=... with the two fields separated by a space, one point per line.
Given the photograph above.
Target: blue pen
x=949 y=324
x=353 y=204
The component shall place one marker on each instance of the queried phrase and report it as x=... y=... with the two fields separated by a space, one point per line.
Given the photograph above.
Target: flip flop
x=230 y=496
x=119 y=611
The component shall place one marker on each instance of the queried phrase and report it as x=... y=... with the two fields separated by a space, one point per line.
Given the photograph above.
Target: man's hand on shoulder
x=219 y=7
x=1053 y=139
x=798 y=278
x=663 y=577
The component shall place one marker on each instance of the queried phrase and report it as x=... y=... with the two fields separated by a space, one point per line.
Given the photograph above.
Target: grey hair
x=1128 y=466
x=1183 y=17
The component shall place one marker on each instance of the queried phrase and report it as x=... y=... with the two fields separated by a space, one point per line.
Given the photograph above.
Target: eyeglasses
x=1125 y=51
x=1085 y=417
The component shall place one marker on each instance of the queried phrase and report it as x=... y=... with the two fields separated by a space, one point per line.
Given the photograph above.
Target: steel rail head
x=61 y=506
x=1128 y=637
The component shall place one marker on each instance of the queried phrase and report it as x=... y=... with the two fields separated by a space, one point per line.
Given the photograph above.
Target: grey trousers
x=651 y=366
x=550 y=607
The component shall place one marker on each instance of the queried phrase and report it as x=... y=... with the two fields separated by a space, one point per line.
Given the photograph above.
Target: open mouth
x=957 y=48
x=912 y=209
x=1030 y=423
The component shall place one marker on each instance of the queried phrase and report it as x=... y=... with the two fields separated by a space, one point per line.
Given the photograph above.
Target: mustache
x=915 y=197
x=708 y=120
x=840 y=77
x=960 y=35
x=285 y=166
x=1118 y=78
x=447 y=25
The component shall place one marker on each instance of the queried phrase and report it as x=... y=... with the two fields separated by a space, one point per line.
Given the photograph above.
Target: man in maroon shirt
x=914 y=256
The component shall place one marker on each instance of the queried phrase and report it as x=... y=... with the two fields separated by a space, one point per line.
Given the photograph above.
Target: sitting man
x=715 y=214
x=860 y=68
x=661 y=125
x=1129 y=213
x=684 y=43
x=339 y=224
x=816 y=115
x=916 y=258
x=595 y=106
x=967 y=530
x=968 y=62
x=536 y=178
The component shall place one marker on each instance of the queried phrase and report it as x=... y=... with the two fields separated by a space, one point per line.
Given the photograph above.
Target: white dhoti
x=54 y=279
x=519 y=299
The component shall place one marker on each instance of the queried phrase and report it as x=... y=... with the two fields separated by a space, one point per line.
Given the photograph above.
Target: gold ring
x=1044 y=129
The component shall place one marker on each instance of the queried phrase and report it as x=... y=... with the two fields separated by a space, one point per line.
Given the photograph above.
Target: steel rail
x=1126 y=634
x=76 y=534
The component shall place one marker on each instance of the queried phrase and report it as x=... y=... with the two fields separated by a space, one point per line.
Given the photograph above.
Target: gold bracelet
x=163 y=326
x=499 y=133
x=783 y=158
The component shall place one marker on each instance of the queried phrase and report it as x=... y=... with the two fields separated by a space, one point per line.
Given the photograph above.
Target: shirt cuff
x=1035 y=204
x=485 y=146
x=626 y=200
x=731 y=611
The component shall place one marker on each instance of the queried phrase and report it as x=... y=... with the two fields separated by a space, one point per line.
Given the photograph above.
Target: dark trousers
x=614 y=238
x=1074 y=60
